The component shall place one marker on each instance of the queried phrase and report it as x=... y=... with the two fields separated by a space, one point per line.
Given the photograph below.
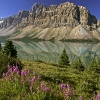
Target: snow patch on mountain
x=1 y=22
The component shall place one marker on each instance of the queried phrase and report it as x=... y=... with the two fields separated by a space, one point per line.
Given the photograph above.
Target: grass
x=84 y=82
x=55 y=83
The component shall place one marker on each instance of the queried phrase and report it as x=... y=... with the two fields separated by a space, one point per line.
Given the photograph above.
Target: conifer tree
x=78 y=65
x=0 y=47
x=93 y=63
x=64 y=59
x=98 y=62
x=94 y=66
x=9 y=49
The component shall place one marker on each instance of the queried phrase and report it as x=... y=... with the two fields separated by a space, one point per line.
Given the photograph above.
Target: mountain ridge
x=64 y=21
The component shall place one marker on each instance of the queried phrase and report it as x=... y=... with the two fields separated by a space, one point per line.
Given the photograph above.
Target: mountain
x=1 y=20
x=36 y=7
x=14 y=19
x=8 y=25
x=59 y=22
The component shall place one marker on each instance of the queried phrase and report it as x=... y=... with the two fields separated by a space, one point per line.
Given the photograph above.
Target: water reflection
x=50 y=52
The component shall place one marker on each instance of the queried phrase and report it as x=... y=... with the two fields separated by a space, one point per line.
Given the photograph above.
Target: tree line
x=64 y=62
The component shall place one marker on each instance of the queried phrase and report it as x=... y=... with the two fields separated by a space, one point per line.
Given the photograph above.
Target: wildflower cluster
x=27 y=80
x=67 y=90
x=26 y=85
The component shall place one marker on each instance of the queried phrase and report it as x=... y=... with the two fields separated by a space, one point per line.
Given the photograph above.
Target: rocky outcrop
x=22 y=14
x=63 y=15
x=14 y=20
x=10 y=21
x=36 y=8
x=1 y=20
x=86 y=19
x=98 y=23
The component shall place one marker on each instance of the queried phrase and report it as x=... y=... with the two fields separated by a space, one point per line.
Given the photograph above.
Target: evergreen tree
x=0 y=47
x=93 y=63
x=64 y=59
x=78 y=65
x=94 y=66
x=9 y=49
x=98 y=62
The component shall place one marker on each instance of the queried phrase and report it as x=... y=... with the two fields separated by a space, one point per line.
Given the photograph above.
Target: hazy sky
x=10 y=7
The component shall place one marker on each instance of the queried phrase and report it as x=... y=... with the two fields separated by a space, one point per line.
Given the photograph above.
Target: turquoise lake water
x=50 y=51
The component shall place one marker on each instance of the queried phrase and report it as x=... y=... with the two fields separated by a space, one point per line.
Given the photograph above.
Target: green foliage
x=64 y=59
x=94 y=66
x=78 y=65
x=98 y=62
x=9 y=49
x=93 y=63
x=0 y=47
x=8 y=56
x=3 y=63
x=14 y=62
x=5 y=60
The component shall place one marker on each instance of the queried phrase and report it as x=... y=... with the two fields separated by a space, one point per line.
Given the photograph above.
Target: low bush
x=4 y=61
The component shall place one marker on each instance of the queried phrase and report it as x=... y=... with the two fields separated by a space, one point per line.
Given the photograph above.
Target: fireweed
x=21 y=84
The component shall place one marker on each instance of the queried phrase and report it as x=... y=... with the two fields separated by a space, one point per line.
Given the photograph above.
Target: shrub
x=94 y=66
x=78 y=65
x=64 y=59
x=0 y=47
x=5 y=60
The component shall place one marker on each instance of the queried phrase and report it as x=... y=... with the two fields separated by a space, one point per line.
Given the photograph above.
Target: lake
x=50 y=51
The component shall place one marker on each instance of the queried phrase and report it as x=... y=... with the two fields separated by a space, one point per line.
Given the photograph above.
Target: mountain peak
x=36 y=7
x=36 y=4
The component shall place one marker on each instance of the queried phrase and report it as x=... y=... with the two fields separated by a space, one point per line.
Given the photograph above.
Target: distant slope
x=7 y=31
x=58 y=33
x=96 y=33
x=80 y=33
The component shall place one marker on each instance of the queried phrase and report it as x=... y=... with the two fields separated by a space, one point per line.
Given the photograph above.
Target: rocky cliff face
x=64 y=21
x=14 y=20
x=36 y=7
x=1 y=20
x=98 y=23
x=63 y=15
x=22 y=14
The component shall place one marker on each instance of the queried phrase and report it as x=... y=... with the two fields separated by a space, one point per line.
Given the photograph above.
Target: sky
x=10 y=7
